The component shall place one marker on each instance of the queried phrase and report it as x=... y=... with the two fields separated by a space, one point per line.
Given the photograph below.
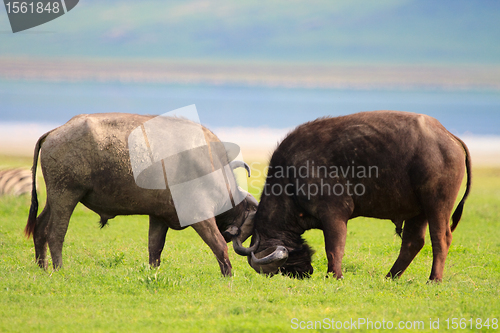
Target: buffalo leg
x=61 y=208
x=40 y=237
x=335 y=236
x=211 y=235
x=412 y=242
x=157 y=234
x=441 y=237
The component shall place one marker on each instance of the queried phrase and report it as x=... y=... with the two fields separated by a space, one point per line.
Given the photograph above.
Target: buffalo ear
x=231 y=232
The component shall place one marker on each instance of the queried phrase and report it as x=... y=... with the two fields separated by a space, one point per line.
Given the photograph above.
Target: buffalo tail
x=30 y=226
x=457 y=215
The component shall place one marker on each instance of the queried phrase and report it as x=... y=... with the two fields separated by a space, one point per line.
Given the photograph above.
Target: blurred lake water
x=462 y=112
x=252 y=115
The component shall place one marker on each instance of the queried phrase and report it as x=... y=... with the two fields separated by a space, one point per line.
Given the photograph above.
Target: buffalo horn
x=249 y=197
x=240 y=164
x=279 y=254
x=244 y=251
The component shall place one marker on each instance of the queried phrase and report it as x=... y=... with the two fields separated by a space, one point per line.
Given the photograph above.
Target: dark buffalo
x=384 y=164
x=87 y=160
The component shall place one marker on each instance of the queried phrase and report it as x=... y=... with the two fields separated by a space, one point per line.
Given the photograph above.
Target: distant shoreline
x=257 y=144
x=289 y=75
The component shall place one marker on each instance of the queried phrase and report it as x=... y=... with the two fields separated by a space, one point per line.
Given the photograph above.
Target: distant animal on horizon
x=418 y=168
x=15 y=181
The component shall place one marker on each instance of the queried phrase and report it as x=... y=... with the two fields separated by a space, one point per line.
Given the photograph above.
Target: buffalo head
x=243 y=214
x=270 y=256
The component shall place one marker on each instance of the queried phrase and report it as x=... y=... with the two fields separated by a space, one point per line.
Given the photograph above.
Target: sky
x=445 y=32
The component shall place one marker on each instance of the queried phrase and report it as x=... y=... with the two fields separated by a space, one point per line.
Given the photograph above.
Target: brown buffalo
x=87 y=160
x=399 y=166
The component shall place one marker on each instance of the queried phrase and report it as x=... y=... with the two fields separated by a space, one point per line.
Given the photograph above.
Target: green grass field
x=106 y=284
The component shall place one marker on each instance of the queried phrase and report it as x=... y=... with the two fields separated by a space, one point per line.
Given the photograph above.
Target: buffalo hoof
x=43 y=263
x=333 y=275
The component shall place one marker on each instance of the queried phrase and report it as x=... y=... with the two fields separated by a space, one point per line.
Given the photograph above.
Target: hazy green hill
x=387 y=31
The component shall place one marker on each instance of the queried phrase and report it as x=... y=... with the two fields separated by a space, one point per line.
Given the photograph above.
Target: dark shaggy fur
x=103 y=222
x=298 y=264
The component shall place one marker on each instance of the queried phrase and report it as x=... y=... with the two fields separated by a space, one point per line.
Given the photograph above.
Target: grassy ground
x=106 y=284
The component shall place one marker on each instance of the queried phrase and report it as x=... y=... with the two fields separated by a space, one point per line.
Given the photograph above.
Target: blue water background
x=462 y=112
